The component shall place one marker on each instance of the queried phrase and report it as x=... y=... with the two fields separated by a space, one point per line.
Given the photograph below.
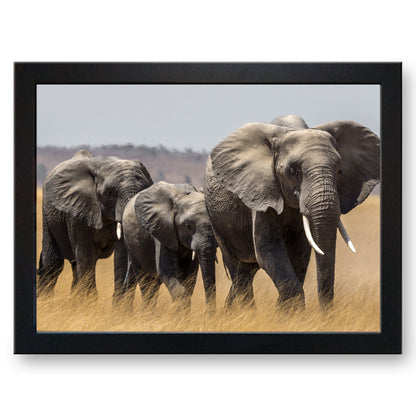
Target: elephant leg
x=84 y=281
x=120 y=269
x=75 y=277
x=51 y=263
x=180 y=290
x=241 y=292
x=299 y=252
x=149 y=288
x=190 y=274
x=129 y=285
x=170 y=272
x=189 y=284
x=47 y=274
x=84 y=261
x=273 y=257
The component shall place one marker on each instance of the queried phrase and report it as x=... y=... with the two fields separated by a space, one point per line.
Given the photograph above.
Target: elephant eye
x=293 y=171
x=190 y=227
x=109 y=194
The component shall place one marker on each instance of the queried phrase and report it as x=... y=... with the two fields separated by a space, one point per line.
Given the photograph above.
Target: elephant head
x=323 y=172
x=175 y=215
x=95 y=189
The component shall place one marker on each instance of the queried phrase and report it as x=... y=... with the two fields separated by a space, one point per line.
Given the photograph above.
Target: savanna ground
x=356 y=305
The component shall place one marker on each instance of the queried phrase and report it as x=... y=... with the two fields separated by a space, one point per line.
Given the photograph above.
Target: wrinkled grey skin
x=83 y=198
x=261 y=180
x=162 y=225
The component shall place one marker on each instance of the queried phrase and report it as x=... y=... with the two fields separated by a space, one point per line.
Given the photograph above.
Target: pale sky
x=189 y=116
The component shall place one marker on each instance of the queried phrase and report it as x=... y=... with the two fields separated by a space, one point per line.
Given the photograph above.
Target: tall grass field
x=356 y=305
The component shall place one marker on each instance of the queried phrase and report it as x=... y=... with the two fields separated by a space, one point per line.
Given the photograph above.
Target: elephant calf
x=167 y=233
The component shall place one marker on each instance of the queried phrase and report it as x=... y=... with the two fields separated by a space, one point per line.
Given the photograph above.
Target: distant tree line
x=170 y=165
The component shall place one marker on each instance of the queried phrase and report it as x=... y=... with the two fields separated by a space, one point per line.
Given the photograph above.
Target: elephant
x=168 y=234
x=275 y=190
x=83 y=202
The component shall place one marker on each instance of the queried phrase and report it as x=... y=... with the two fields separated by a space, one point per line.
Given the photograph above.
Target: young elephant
x=273 y=191
x=167 y=234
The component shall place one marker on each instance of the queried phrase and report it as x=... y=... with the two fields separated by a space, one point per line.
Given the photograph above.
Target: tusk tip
x=351 y=246
x=118 y=232
x=345 y=236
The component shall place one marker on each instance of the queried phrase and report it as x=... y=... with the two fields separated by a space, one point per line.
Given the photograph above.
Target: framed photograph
x=208 y=208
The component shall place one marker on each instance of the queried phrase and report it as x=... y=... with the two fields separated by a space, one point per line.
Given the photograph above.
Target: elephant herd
x=271 y=193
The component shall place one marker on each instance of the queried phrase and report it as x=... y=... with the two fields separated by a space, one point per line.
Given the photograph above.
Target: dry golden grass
x=356 y=306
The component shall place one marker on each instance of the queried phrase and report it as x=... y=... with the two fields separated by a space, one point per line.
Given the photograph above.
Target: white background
x=210 y=31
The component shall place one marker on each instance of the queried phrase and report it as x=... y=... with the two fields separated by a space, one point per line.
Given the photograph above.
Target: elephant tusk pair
x=312 y=243
x=118 y=232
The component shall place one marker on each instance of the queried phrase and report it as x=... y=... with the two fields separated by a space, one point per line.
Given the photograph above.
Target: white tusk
x=345 y=236
x=119 y=230
x=193 y=255
x=309 y=236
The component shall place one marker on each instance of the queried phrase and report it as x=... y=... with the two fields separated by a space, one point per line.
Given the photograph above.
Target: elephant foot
x=182 y=306
x=292 y=304
x=239 y=305
x=89 y=295
x=210 y=311
x=47 y=276
x=122 y=303
x=326 y=305
x=45 y=291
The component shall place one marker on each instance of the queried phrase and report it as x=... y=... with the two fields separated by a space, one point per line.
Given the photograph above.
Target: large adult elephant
x=168 y=234
x=274 y=190
x=83 y=202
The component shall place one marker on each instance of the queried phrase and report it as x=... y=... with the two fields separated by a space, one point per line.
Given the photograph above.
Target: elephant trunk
x=321 y=207
x=207 y=264
x=206 y=254
x=124 y=196
x=325 y=231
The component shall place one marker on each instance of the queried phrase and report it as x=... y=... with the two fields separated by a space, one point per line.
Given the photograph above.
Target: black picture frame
x=29 y=75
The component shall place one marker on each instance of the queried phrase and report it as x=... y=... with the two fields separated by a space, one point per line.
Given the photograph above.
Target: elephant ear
x=71 y=188
x=359 y=149
x=243 y=164
x=154 y=209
